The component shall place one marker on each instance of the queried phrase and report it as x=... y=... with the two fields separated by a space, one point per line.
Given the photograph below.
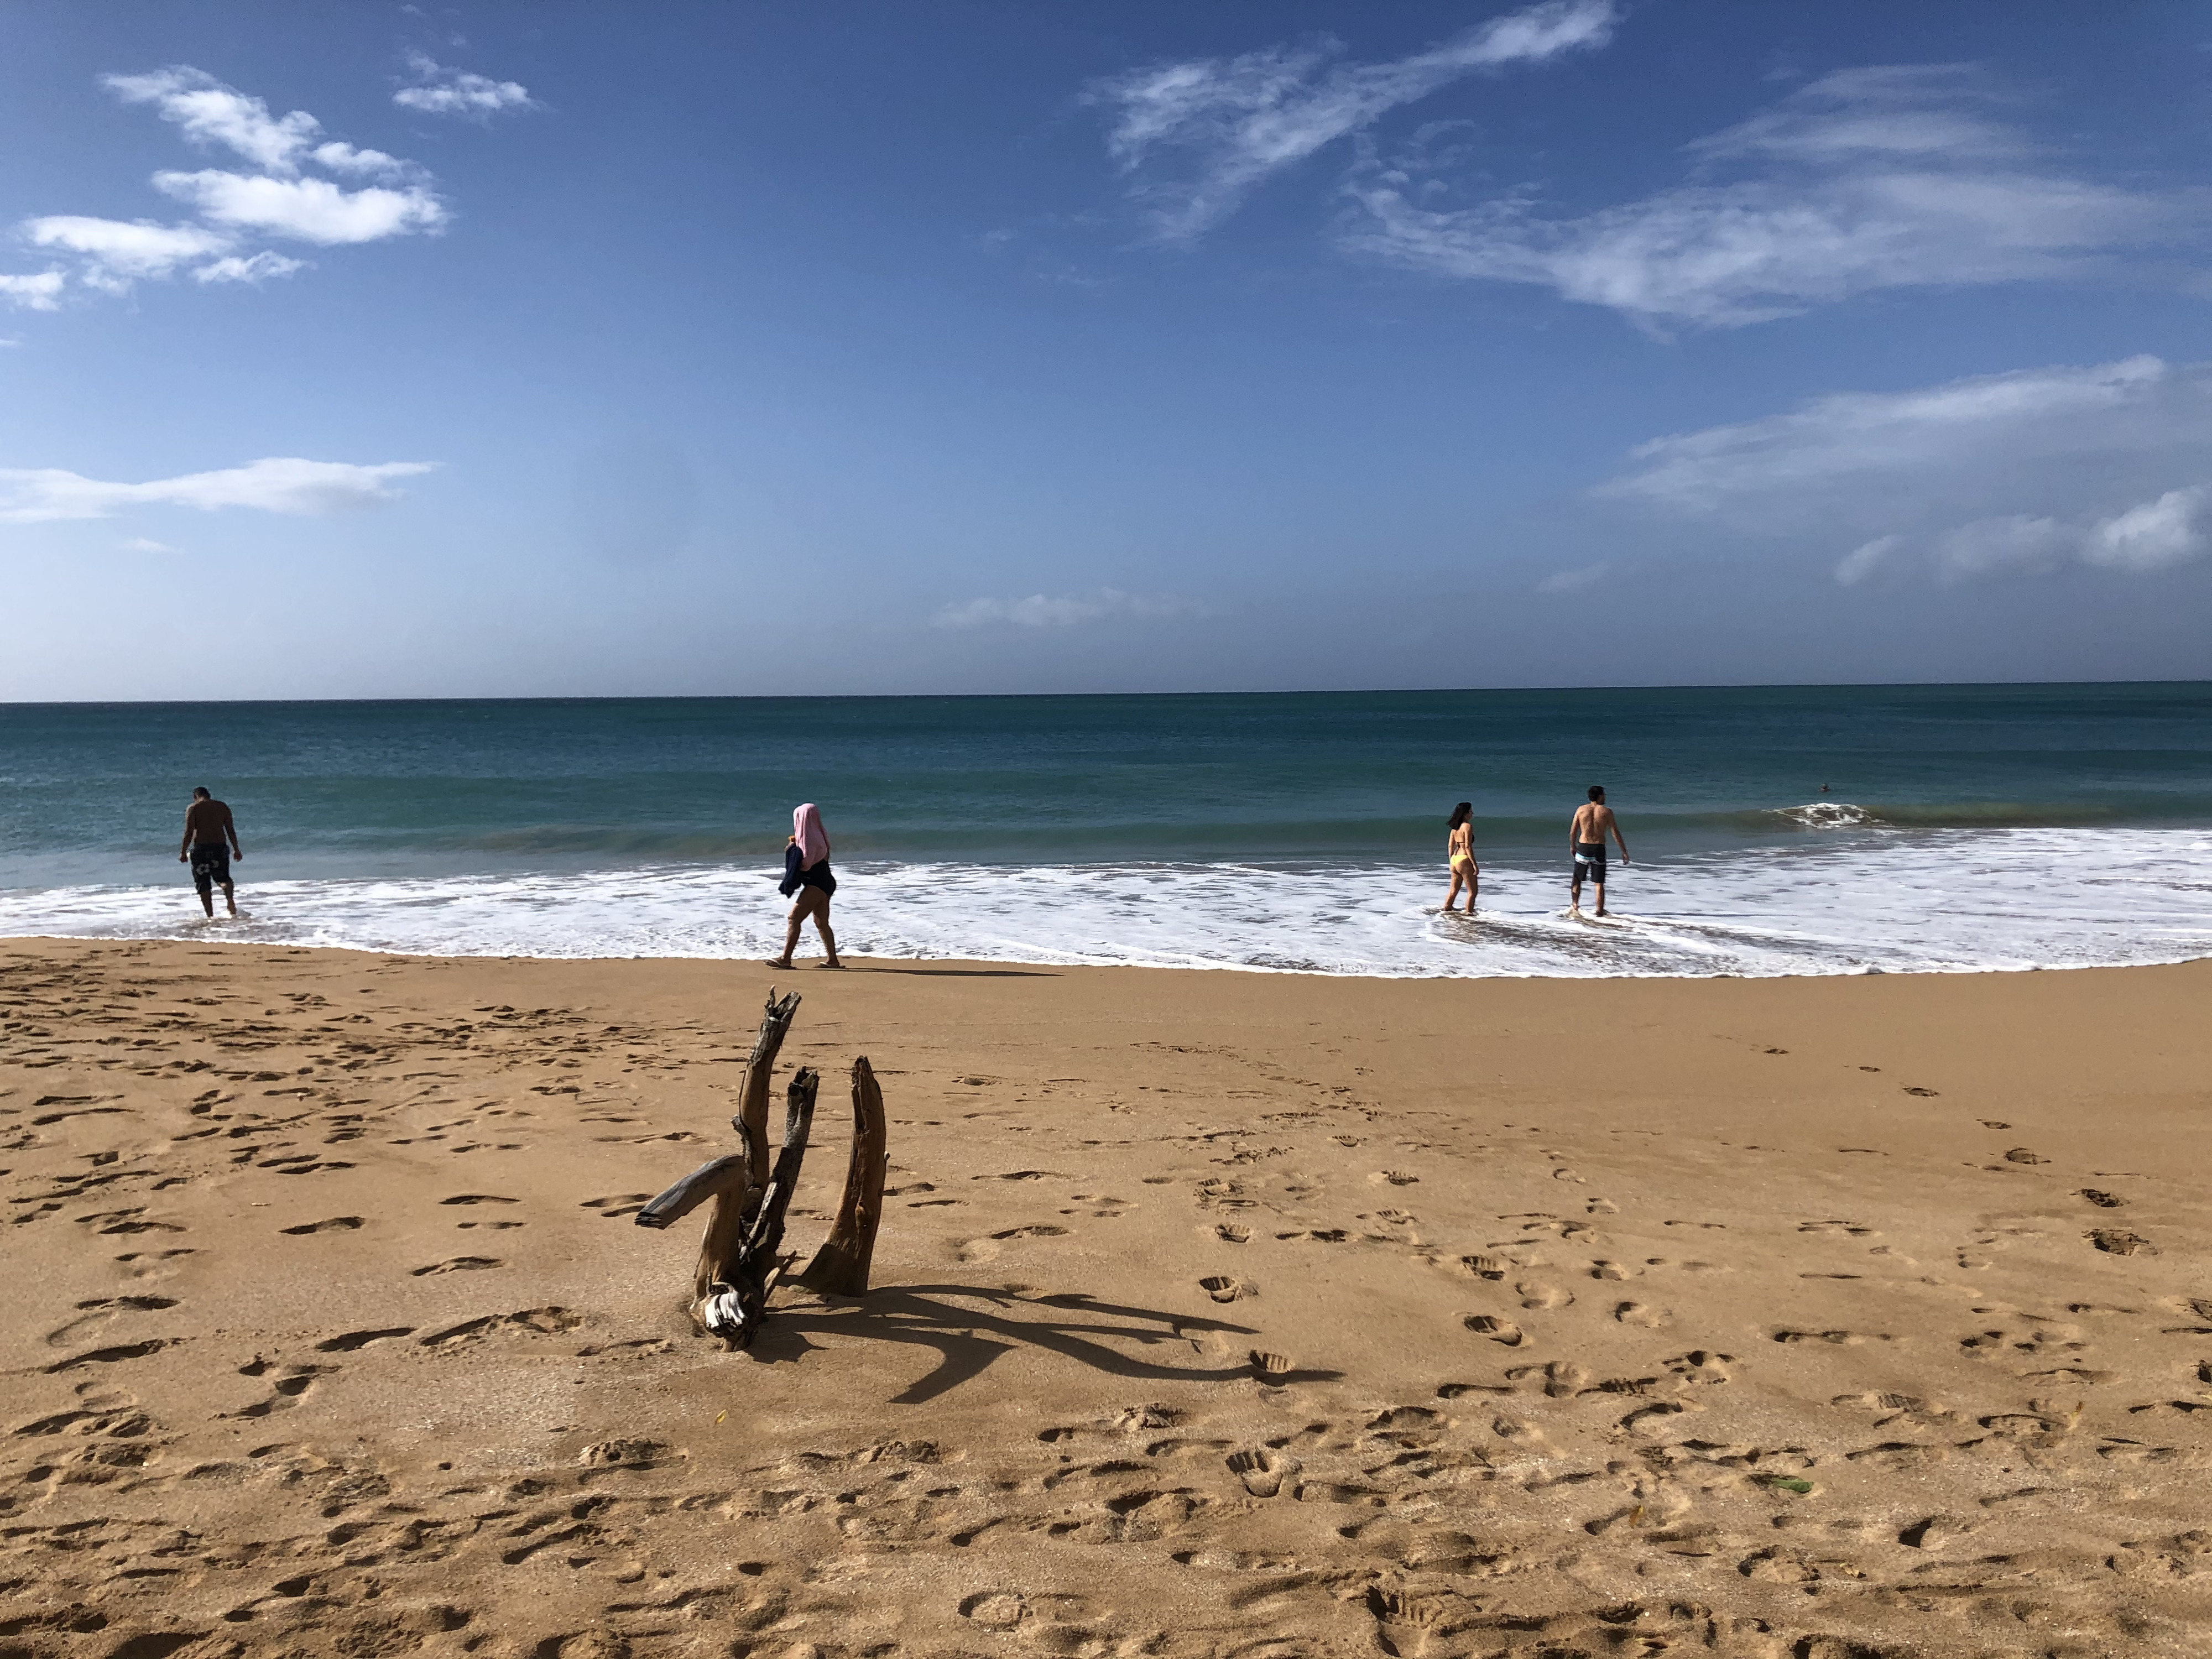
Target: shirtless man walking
x=210 y=843
x=1586 y=837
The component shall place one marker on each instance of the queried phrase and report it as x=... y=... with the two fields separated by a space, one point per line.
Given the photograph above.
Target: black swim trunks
x=210 y=867
x=1590 y=861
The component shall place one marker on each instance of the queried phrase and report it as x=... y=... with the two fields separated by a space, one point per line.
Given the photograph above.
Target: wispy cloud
x=1870 y=179
x=438 y=90
x=2172 y=530
x=280 y=199
x=212 y=113
x=1754 y=467
x=1232 y=121
x=248 y=268
x=1062 y=611
x=1994 y=476
x=276 y=485
x=118 y=252
x=1573 y=581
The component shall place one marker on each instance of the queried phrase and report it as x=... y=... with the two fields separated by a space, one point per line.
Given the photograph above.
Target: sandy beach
x=1813 y=1317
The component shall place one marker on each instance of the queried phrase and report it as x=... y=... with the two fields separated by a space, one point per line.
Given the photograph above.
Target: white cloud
x=38 y=291
x=252 y=268
x=1570 y=581
x=340 y=157
x=285 y=484
x=442 y=91
x=118 y=251
x=1863 y=561
x=2012 y=543
x=1839 y=441
x=1065 y=610
x=211 y=113
x=147 y=545
x=1994 y=476
x=1239 y=119
x=2172 y=530
x=236 y=210
x=310 y=209
x=1866 y=179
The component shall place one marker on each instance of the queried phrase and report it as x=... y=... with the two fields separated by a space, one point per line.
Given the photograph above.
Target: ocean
x=1772 y=830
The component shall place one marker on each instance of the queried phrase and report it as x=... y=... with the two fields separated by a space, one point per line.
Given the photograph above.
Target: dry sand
x=1816 y=1318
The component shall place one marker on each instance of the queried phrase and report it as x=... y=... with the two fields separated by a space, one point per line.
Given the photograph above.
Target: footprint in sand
x=1535 y=1295
x=1264 y=1471
x=614 y=1204
x=336 y=1224
x=1230 y=1232
x=1222 y=1288
x=538 y=1321
x=493 y=1198
x=1561 y=1380
x=1700 y=1365
x=1497 y=1330
x=459 y=1264
x=287 y=1390
x=2102 y=1201
x=353 y=1339
x=101 y=1312
x=1641 y=1316
x=115 y=1355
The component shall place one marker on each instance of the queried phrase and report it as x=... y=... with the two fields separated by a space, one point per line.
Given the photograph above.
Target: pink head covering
x=806 y=829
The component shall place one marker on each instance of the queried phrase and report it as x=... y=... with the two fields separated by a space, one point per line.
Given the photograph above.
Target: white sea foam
x=1938 y=900
x=1826 y=815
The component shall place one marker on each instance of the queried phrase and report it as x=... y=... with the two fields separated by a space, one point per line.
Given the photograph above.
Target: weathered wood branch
x=751 y=1119
x=710 y=1180
x=840 y=1266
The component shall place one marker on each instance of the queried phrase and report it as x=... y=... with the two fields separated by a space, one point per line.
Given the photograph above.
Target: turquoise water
x=975 y=820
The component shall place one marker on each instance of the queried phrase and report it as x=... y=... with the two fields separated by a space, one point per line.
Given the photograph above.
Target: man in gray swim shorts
x=210 y=843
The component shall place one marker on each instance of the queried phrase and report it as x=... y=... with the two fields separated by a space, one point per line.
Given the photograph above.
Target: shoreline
x=1750 y=1316
x=855 y=961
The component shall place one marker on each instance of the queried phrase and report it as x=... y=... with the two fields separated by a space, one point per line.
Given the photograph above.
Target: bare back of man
x=210 y=844
x=1593 y=823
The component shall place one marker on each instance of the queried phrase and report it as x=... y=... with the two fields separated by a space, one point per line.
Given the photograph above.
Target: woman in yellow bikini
x=1459 y=847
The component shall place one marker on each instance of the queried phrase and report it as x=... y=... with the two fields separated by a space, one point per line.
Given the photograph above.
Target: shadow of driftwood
x=968 y=1337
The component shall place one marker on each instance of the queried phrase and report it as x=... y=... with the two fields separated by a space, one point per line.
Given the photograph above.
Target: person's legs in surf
x=802 y=908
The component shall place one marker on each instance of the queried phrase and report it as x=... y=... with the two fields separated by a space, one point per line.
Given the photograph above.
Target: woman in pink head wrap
x=806 y=873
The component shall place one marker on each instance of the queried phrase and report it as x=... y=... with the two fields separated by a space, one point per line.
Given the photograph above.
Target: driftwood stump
x=739 y=1263
x=840 y=1267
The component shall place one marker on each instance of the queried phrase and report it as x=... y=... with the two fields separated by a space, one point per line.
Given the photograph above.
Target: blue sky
x=397 y=351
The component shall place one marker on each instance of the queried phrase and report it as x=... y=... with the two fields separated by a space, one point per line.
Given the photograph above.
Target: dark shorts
x=210 y=867
x=1590 y=862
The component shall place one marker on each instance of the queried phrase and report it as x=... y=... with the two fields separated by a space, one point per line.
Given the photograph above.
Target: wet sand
x=1814 y=1318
